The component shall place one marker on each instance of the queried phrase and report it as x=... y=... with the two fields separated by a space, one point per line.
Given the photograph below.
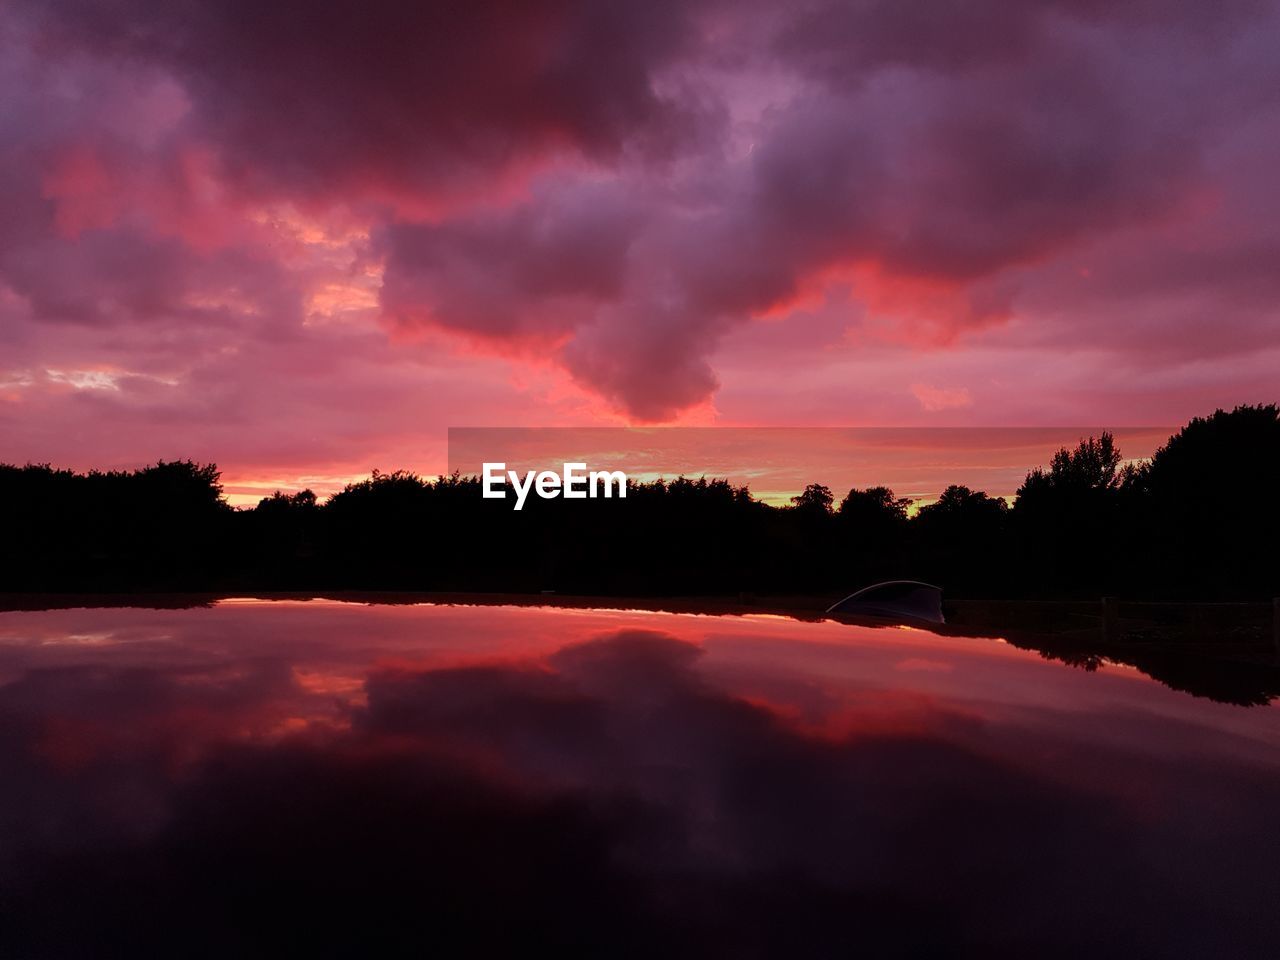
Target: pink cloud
x=933 y=399
x=301 y=238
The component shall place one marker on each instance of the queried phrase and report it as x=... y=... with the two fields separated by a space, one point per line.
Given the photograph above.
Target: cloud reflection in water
x=214 y=782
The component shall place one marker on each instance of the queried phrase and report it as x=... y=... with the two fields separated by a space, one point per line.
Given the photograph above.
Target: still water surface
x=316 y=777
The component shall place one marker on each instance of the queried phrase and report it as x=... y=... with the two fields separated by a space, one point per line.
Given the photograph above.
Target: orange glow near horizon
x=775 y=463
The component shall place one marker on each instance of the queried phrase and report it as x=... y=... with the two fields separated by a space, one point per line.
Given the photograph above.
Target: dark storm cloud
x=619 y=188
x=530 y=269
x=940 y=147
x=843 y=41
x=321 y=99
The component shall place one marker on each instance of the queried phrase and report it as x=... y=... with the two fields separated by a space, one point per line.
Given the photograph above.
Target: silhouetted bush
x=962 y=539
x=1068 y=520
x=1200 y=520
x=1205 y=511
x=160 y=527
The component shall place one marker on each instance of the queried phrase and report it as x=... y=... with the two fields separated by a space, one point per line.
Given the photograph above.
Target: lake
x=318 y=777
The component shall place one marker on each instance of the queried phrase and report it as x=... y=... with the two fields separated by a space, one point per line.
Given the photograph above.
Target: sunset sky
x=303 y=239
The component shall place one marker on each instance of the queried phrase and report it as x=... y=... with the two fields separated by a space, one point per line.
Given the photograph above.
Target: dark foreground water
x=319 y=778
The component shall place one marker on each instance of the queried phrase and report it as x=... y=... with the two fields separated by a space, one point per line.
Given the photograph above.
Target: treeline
x=1200 y=520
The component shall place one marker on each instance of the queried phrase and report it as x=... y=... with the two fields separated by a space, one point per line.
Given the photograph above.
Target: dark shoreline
x=1137 y=620
x=1088 y=526
x=1225 y=651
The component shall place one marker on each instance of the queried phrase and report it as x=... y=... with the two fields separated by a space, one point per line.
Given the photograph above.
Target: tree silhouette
x=1206 y=504
x=874 y=505
x=1092 y=466
x=1200 y=519
x=815 y=498
x=961 y=538
x=1067 y=519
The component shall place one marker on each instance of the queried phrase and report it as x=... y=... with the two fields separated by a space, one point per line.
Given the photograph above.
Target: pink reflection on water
x=673 y=770
x=255 y=668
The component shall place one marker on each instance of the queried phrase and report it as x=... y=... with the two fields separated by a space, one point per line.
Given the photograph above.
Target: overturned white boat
x=894 y=600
